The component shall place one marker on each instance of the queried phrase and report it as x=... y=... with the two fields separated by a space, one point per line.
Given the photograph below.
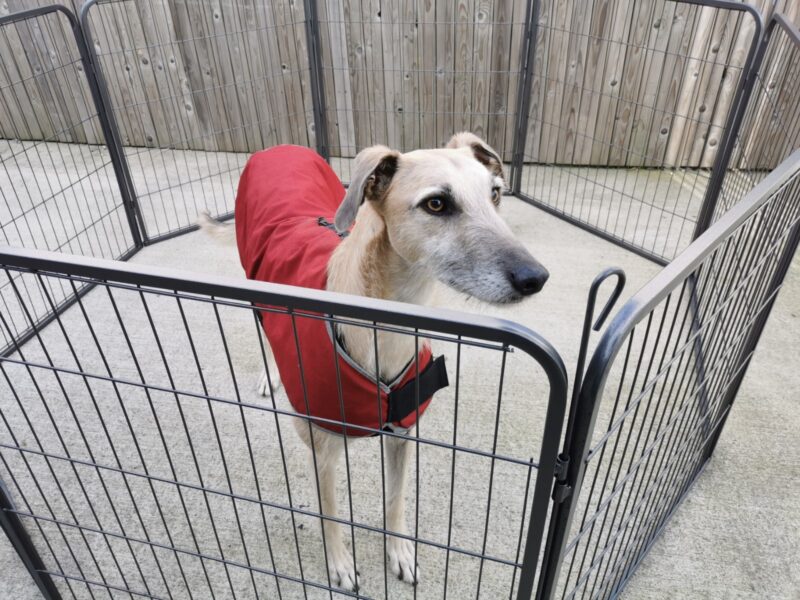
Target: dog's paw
x=342 y=569
x=264 y=388
x=402 y=561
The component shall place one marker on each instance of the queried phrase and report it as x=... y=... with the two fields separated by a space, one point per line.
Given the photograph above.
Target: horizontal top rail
x=789 y=27
x=298 y=298
x=24 y=15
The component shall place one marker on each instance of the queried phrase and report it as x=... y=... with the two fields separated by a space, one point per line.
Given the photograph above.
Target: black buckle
x=403 y=400
x=323 y=222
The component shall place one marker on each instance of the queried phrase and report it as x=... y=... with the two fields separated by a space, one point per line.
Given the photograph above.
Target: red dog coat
x=285 y=194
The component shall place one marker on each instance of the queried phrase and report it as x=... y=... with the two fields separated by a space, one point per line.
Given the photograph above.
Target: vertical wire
x=247 y=441
x=522 y=522
x=192 y=450
x=679 y=371
x=35 y=480
x=132 y=351
x=383 y=455
x=453 y=465
x=630 y=483
x=107 y=368
x=633 y=421
x=127 y=107
x=599 y=462
x=193 y=347
x=33 y=430
x=281 y=447
x=74 y=354
x=313 y=448
x=340 y=396
x=20 y=79
x=618 y=437
x=186 y=137
x=415 y=570
x=491 y=469
x=128 y=46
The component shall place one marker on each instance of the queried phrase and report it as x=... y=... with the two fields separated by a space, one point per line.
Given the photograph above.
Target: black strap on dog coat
x=403 y=400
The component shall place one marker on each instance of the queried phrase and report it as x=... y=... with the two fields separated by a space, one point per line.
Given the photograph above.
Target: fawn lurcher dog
x=413 y=219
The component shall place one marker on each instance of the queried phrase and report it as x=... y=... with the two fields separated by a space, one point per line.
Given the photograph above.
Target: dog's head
x=440 y=211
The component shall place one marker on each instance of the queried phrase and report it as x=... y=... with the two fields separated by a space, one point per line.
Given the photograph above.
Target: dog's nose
x=528 y=280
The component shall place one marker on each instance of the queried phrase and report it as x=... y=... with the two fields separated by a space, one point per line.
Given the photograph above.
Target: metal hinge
x=561 y=489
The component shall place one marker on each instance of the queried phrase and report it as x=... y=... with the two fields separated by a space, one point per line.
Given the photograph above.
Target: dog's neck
x=366 y=264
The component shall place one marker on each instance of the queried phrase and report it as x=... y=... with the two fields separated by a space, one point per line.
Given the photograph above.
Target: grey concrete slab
x=735 y=536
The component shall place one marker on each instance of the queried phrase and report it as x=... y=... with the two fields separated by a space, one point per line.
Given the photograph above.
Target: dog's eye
x=496 y=195
x=435 y=205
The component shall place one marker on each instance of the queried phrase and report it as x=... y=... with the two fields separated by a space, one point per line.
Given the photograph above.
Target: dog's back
x=283 y=193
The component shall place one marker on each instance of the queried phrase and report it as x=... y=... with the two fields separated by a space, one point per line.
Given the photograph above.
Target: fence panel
x=195 y=88
x=140 y=456
x=58 y=181
x=411 y=74
x=661 y=384
x=770 y=128
x=625 y=110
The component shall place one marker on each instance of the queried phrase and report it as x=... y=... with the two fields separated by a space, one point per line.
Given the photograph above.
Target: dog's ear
x=483 y=152
x=372 y=173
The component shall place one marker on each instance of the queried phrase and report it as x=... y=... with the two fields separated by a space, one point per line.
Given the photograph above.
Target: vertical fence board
x=594 y=72
x=445 y=64
x=463 y=65
x=614 y=69
x=647 y=121
x=407 y=42
x=499 y=94
x=631 y=81
x=482 y=47
x=573 y=82
x=616 y=82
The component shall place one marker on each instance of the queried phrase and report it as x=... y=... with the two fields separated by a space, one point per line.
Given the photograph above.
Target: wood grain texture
x=615 y=82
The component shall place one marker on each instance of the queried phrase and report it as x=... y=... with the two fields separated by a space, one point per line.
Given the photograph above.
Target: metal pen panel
x=59 y=186
x=194 y=89
x=141 y=457
x=660 y=385
x=626 y=106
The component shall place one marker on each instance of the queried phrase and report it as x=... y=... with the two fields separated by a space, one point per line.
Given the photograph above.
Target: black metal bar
x=734 y=121
x=618 y=331
x=28 y=335
x=751 y=343
x=108 y=124
x=542 y=489
x=659 y=260
x=18 y=536
x=589 y=324
x=314 y=48
x=527 y=53
x=696 y=329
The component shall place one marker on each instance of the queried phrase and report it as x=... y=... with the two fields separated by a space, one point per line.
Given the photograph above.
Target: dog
x=406 y=221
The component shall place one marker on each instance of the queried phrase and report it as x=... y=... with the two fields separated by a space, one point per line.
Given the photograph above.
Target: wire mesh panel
x=195 y=87
x=662 y=381
x=410 y=74
x=770 y=129
x=58 y=185
x=141 y=456
x=626 y=108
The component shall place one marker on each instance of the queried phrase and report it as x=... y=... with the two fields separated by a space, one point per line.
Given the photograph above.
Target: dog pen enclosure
x=137 y=460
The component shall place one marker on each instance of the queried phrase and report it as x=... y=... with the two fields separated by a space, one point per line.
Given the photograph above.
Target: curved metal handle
x=588 y=327
x=612 y=300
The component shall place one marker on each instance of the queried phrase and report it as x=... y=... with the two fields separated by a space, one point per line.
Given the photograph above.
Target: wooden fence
x=618 y=82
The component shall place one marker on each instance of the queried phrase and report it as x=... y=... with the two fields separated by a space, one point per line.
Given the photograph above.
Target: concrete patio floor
x=737 y=535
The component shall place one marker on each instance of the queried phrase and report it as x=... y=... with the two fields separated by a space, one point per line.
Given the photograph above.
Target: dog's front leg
x=327 y=449
x=402 y=559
